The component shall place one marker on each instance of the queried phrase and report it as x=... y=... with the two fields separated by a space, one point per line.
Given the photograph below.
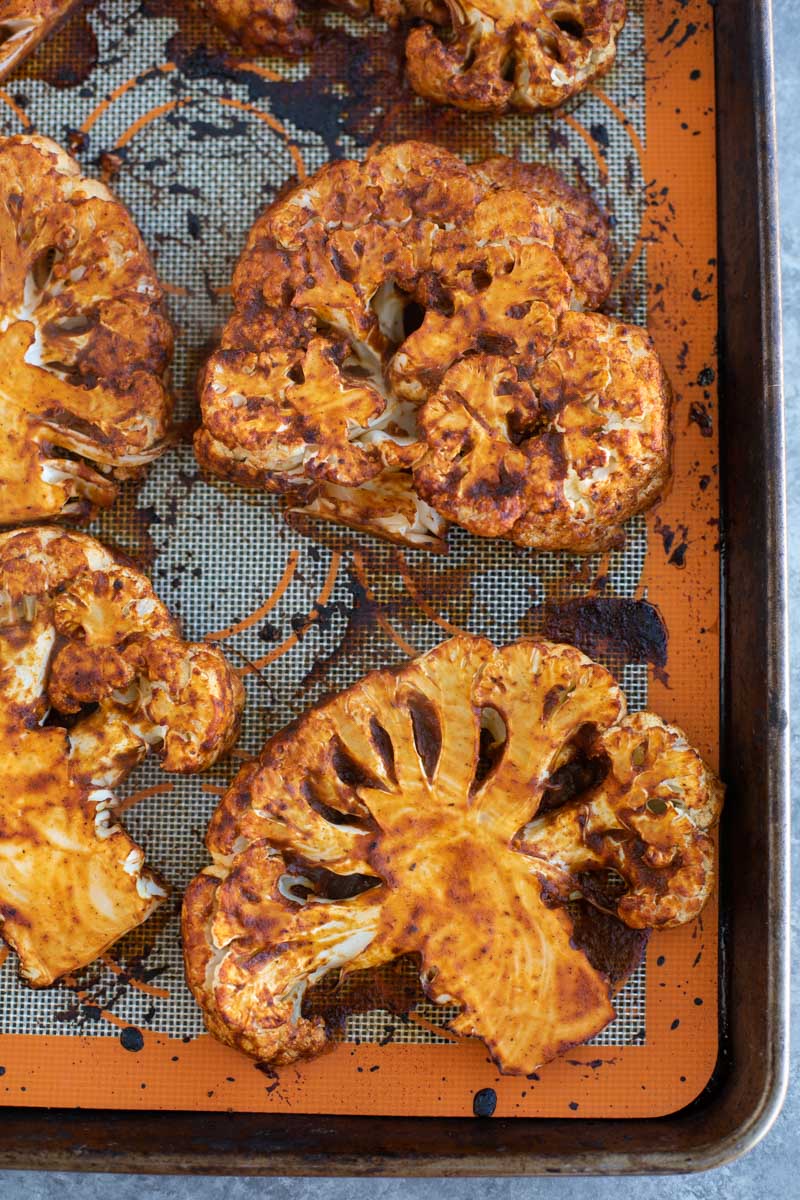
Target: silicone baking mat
x=196 y=141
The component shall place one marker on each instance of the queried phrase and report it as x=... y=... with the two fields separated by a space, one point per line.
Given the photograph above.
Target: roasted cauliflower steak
x=84 y=342
x=24 y=24
x=409 y=347
x=434 y=797
x=485 y=56
x=93 y=675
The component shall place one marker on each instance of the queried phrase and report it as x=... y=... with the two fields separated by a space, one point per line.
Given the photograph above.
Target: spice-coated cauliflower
x=84 y=342
x=457 y=803
x=93 y=675
x=24 y=24
x=264 y=24
x=496 y=55
x=407 y=348
x=484 y=56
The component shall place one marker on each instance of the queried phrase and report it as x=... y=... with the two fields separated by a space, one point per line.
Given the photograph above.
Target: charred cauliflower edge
x=435 y=796
x=85 y=345
x=491 y=56
x=93 y=676
x=408 y=348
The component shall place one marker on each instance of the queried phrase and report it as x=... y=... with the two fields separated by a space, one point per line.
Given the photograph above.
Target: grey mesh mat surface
x=197 y=147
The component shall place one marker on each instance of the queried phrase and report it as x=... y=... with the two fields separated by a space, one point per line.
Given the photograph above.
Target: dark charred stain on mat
x=607 y=627
x=131 y=1039
x=675 y=542
x=701 y=417
x=484 y=1102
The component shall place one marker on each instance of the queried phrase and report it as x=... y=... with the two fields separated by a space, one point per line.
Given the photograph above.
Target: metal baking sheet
x=196 y=145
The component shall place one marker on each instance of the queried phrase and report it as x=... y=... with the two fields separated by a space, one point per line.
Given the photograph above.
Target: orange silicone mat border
x=681 y=576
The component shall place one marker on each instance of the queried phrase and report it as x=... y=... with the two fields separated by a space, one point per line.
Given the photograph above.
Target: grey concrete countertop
x=773 y=1168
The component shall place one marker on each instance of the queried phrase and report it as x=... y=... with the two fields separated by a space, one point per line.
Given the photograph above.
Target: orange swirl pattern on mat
x=139 y=984
x=360 y=572
x=86 y=998
x=263 y=609
x=144 y=794
x=293 y=638
x=591 y=142
x=624 y=121
x=429 y=1027
x=145 y=119
x=15 y=108
x=636 y=142
x=126 y=86
x=161 y=110
x=273 y=123
x=414 y=592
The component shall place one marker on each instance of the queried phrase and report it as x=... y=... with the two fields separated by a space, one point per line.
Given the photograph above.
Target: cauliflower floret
x=262 y=24
x=489 y=56
x=388 y=506
x=648 y=820
x=189 y=701
x=293 y=420
x=84 y=342
x=368 y=302
x=511 y=309
x=82 y=633
x=431 y=794
x=24 y=23
x=579 y=228
x=477 y=472
x=557 y=462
